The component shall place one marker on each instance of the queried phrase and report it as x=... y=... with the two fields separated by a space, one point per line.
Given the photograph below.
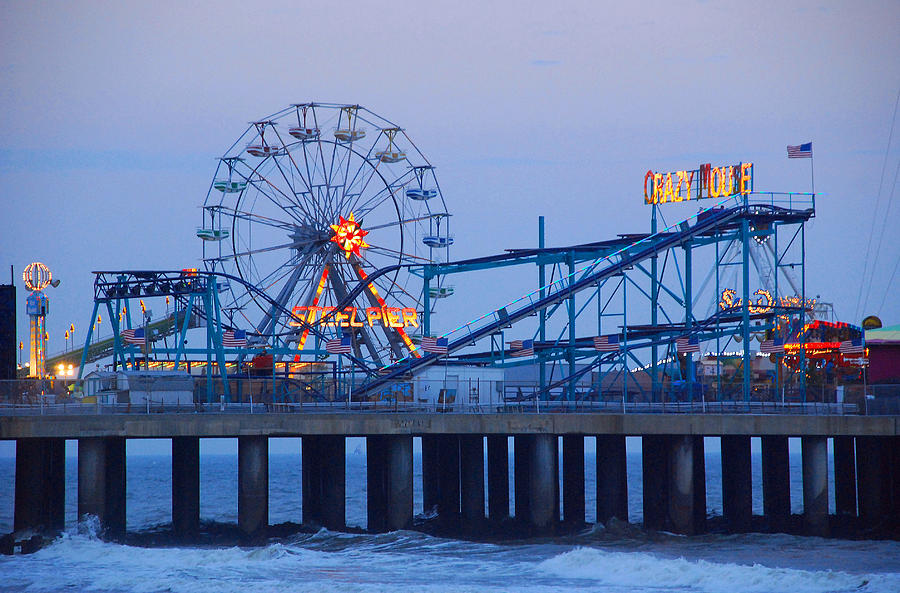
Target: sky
x=112 y=116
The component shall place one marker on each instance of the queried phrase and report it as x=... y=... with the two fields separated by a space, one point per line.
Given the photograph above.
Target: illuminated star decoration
x=349 y=236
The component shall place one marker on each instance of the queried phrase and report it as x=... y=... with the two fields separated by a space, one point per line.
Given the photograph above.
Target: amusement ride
x=326 y=248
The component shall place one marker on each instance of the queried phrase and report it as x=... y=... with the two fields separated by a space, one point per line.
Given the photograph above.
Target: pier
x=465 y=461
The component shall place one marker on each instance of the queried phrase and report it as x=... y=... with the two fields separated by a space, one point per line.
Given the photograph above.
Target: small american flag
x=801 y=151
x=436 y=345
x=338 y=345
x=133 y=336
x=773 y=346
x=608 y=343
x=687 y=344
x=853 y=347
x=519 y=348
x=234 y=339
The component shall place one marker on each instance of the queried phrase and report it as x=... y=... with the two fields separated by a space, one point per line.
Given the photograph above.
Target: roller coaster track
x=706 y=221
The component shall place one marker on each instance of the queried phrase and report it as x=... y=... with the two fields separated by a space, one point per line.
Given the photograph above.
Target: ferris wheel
x=306 y=205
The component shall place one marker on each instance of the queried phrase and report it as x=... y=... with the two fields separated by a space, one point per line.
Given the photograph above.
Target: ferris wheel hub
x=349 y=236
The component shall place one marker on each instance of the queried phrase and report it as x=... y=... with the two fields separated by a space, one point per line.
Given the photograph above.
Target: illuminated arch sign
x=705 y=182
x=352 y=317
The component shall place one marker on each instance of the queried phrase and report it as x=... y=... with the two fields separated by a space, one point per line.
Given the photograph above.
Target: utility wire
x=897 y=263
x=859 y=299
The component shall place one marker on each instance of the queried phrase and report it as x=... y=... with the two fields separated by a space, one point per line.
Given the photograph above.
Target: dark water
x=622 y=558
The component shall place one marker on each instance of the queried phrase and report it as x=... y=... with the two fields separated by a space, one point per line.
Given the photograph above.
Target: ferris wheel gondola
x=318 y=217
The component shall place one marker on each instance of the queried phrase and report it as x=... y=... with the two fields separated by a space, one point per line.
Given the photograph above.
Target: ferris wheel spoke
x=270 y=321
x=292 y=195
x=389 y=288
x=273 y=189
x=364 y=163
x=281 y=271
x=341 y=291
x=340 y=184
x=290 y=155
x=374 y=201
x=398 y=222
x=373 y=171
x=292 y=244
x=257 y=218
x=393 y=252
x=398 y=182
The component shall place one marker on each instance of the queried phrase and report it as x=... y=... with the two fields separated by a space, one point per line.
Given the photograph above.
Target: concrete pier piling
x=389 y=486
x=448 y=478
x=654 y=465
x=776 y=481
x=498 y=477
x=845 y=476
x=430 y=461
x=253 y=485
x=40 y=490
x=543 y=482
x=521 y=475
x=873 y=463
x=612 y=478
x=185 y=486
x=92 y=477
x=471 y=461
x=737 y=484
x=324 y=481
x=573 y=479
x=815 y=484
x=101 y=481
x=674 y=483
x=687 y=485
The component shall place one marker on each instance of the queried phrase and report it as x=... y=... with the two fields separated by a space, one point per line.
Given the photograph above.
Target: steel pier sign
x=397 y=317
x=705 y=182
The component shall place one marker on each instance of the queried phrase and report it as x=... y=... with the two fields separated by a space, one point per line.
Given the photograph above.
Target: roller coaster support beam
x=542 y=314
x=654 y=310
x=87 y=341
x=570 y=351
x=426 y=302
x=745 y=306
x=689 y=313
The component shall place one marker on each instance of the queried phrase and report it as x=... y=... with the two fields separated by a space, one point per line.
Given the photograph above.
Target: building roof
x=889 y=335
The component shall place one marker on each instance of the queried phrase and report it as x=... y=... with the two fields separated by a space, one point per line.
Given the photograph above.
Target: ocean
x=616 y=559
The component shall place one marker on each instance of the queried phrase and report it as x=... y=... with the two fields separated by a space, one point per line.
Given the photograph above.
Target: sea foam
x=647 y=571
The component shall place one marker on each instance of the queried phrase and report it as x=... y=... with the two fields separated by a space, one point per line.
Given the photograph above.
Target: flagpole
x=812 y=173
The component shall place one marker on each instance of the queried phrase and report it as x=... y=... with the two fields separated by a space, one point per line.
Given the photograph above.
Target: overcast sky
x=112 y=115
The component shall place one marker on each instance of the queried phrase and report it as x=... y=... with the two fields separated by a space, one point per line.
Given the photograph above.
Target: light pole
x=147 y=314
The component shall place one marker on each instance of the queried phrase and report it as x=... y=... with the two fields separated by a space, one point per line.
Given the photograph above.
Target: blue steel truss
x=629 y=267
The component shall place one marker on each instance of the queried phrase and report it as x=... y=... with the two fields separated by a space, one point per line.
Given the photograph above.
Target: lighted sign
x=397 y=317
x=349 y=235
x=37 y=276
x=705 y=182
x=763 y=304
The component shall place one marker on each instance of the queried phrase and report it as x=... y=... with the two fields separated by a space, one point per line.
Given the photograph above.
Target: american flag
x=773 y=346
x=436 y=345
x=801 y=151
x=687 y=344
x=234 y=339
x=608 y=343
x=133 y=336
x=519 y=348
x=338 y=345
x=853 y=347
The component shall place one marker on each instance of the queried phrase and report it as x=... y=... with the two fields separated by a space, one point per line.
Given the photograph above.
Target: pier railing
x=453 y=396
